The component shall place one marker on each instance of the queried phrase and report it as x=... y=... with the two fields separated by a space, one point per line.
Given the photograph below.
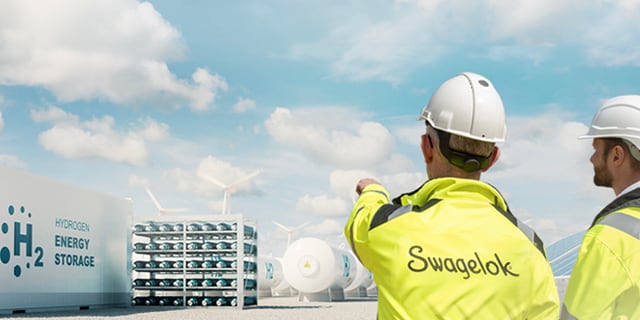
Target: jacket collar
x=628 y=199
x=448 y=188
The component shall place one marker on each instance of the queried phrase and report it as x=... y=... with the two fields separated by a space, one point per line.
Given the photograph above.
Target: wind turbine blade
x=214 y=181
x=253 y=174
x=153 y=199
x=301 y=226
x=283 y=227
x=160 y=208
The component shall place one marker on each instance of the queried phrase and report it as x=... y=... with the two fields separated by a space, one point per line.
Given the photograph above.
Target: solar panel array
x=563 y=253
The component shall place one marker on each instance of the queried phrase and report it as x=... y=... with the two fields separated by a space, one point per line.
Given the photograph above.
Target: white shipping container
x=61 y=246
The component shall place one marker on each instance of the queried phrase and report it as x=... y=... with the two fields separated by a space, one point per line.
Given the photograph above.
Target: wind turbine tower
x=228 y=189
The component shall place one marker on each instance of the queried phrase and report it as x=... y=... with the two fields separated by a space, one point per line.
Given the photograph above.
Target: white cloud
x=394 y=183
x=239 y=179
x=118 y=52
x=191 y=181
x=137 y=181
x=544 y=146
x=54 y=115
x=216 y=206
x=415 y=33
x=410 y=134
x=380 y=49
x=244 y=105
x=385 y=50
x=545 y=174
x=205 y=197
x=328 y=136
x=535 y=22
x=323 y=205
x=12 y=161
x=94 y=139
x=188 y=181
x=614 y=38
x=207 y=89
x=343 y=182
x=397 y=163
x=153 y=130
x=76 y=143
x=326 y=227
x=403 y=182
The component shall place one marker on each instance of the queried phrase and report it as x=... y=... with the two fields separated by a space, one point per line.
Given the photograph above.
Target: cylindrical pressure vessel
x=363 y=278
x=312 y=265
x=269 y=273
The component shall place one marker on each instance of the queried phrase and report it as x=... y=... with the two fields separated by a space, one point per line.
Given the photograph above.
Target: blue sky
x=116 y=95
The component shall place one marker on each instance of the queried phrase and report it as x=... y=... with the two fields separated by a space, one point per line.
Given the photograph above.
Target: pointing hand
x=363 y=183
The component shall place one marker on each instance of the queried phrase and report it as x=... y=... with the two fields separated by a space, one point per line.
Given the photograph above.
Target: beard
x=602 y=176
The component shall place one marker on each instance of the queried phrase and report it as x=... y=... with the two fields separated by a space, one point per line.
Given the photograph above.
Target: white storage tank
x=361 y=281
x=61 y=246
x=311 y=265
x=270 y=275
x=283 y=289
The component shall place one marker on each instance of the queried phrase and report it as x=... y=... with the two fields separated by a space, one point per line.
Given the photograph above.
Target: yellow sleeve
x=357 y=228
x=598 y=278
x=546 y=302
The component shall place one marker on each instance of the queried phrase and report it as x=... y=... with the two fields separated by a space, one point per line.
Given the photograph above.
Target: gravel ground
x=268 y=308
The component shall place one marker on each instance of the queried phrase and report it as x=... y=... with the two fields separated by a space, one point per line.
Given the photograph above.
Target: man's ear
x=495 y=154
x=427 y=148
x=617 y=155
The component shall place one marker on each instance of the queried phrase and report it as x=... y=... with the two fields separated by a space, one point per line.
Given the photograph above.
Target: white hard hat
x=467 y=105
x=619 y=117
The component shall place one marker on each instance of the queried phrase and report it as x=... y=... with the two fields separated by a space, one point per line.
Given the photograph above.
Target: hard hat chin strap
x=466 y=161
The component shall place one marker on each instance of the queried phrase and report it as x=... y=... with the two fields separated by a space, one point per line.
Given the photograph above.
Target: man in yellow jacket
x=605 y=282
x=452 y=249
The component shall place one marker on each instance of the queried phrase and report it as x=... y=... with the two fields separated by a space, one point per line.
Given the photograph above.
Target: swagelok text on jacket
x=494 y=266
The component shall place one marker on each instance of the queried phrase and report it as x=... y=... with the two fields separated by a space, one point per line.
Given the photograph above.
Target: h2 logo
x=22 y=239
x=347 y=266
x=269 y=269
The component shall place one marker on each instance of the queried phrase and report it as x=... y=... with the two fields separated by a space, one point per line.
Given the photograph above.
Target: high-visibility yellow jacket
x=605 y=282
x=451 y=250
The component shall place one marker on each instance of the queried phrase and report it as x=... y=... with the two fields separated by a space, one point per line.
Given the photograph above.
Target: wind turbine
x=228 y=189
x=162 y=210
x=290 y=230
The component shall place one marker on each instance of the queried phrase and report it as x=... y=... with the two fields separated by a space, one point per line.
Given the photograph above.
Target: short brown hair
x=470 y=146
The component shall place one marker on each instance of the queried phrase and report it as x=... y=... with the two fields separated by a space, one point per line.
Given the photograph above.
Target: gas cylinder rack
x=195 y=261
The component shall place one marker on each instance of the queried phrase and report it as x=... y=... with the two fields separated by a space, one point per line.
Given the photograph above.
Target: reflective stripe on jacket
x=604 y=283
x=451 y=250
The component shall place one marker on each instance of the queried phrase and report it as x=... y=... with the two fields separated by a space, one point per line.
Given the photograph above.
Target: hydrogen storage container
x=61 y=246
x=195 y=261
x=311 y=265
